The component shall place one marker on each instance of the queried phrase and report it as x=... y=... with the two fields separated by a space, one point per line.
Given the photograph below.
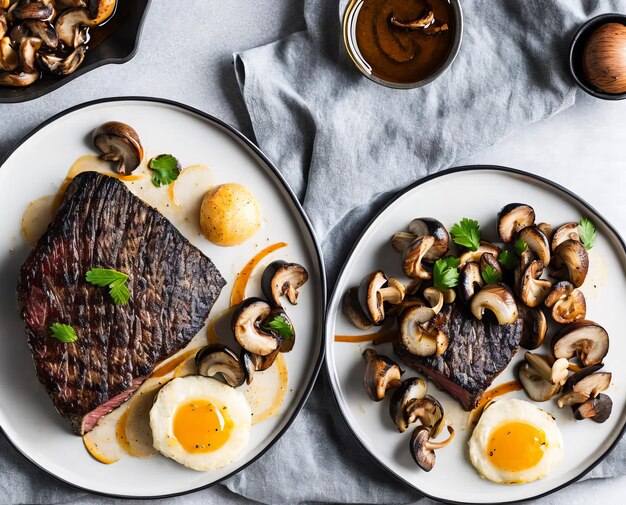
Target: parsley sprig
x=587 y=233
x=507 y=260
x=281 y=326
x=490 y=275
x=165 y=169
x=446 y=273
x=520 y=246
x=466 y=233
x=114 y=280
x=63 y=332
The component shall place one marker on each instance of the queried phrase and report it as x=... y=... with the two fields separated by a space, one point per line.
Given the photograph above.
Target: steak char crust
x=100 y=223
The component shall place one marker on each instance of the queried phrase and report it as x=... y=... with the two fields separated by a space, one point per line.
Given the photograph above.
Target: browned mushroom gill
x=405 y=42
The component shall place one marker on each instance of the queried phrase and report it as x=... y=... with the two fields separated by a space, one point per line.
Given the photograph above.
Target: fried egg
x=200 y=422
x=515 y=442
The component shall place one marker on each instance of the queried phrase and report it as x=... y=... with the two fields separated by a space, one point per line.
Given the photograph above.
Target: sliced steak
x=478 y=351
x=100 y=223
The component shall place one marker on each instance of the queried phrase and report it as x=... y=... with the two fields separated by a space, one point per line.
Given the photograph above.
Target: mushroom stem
x=415 y=24
x=438 y=445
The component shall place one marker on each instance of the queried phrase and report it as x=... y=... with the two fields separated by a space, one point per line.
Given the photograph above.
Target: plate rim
x=330 y=371
x=233 y=132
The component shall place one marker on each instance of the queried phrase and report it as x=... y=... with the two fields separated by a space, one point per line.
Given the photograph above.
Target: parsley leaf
x=114 y=280
x=446 y=273
x=520 y=246
x=63 y=332
x=587 y=232
x=507 y=260
x=165 y=169
x=491 y=275
x=281 y=326
x=466 y=233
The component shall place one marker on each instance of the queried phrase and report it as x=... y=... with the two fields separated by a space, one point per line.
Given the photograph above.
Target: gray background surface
x=582 y=148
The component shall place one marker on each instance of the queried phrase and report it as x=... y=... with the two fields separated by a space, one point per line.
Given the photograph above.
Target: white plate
x=37 y=167
x=478 y=193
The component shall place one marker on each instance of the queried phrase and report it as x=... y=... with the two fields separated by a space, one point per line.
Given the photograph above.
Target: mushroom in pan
x=534 y=328
x=44 y=31
x=33 y=10
x=400 y=407
x=417 y=336
x=18 y=33
x=246 y=324
x=100 y=10
x=18 y=80
x=423 y=448
x=62 y=66
x=381 y=374
x=571 y=262
x=352 y=309
x=282 y=278
x=474 y=256
x=4 y=24
x=498 y=299
x=374 y=290
x=120 y=143
x=9 y=58
x=27 y=52
x=71 y=26
x=254 y=363
x=470 y=280
x=536 y=242
x=585 y=339
x=533 y=289
x=219 y=359
x=598 y=409
x=413 y=256
x=567 y=303
x=512 y=218
x=583 y=385
x=568 y=231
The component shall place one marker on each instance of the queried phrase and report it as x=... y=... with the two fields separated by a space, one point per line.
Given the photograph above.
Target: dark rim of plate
x=575 y=55
x=330 y=372
x=274 y=171
x=23 y=94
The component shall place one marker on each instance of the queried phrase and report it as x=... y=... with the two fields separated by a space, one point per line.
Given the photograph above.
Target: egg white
x=181 y=390
x=513 y=410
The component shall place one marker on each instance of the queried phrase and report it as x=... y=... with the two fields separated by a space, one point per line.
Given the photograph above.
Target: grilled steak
x=100 y=223
x=477 y=352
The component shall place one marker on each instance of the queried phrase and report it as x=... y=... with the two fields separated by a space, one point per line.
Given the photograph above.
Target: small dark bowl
x=115 y=42
x=576 y=54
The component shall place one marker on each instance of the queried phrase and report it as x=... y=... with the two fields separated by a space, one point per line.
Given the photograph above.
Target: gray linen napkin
x=346 y=145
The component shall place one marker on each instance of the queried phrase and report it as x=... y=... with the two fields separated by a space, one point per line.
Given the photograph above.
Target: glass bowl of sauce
x=403 y=43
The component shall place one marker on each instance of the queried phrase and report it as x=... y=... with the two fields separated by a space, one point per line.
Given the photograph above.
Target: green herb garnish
x=114 y=280
x=63 y=332
x=446 y=273
x=466 y=233
x=282 y=327
x=491 y=275
x=520 y=246
x=507 y=260
x=587 y=232
x=165 y=169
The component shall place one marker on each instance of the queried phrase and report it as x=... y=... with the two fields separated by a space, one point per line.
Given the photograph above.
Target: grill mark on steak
x=478 y=351
x=100 y=223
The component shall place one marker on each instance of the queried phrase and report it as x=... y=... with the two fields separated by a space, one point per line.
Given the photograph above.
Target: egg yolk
x=516 y=446
x=200 y=426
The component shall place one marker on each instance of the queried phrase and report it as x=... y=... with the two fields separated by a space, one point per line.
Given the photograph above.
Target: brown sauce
x=494 y=392
x=380 y=337
x=401 y=42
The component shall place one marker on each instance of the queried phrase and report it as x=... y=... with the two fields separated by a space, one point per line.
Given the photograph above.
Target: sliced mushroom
x=534 y=328
x=434 y=297
x=101 y=10
x=449 y=295
x=598 y=409
x=429 y=412
x=254 y=363
x=580 y=387
x=585 y=339
x=120 y=143
x=424 y=226
x=403 y=398
x=512 y=218
x=9 y=58
x=62 y=66
x=246 y=324
x=28 y=50
x=282 y=278
x=546 y=229
x=45 y=31
x=277 y=322
x=533 y=289
x=71 y=26
x=400 y=240
x=470 y=280
x=218 y=359
x=375 y=289
x=352 y=309
x=536 y=242
x=535 y=385
x=498 y=299
x=526 y=258
x=556 y=374
x=18 y=80
x=418 y=337
x=423 y=449
x=571 y=262
x=413 y=256
x=18 y=33
x=488 y=260
x=4 y=24
x=567 y=303
x=33 y=10
x=568 y=231
x=381 y=374
x=474 y=256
